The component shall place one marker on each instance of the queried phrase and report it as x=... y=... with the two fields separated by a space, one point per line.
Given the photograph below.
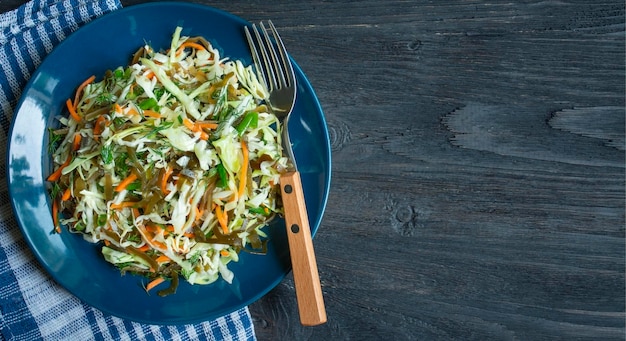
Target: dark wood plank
x=467 y=202
x=478 y=168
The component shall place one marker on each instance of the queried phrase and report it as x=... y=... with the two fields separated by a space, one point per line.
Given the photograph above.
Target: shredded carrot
x=190 y=125
x=76 y=142
x=204 y=136
x=243 y=176
x=55 y=215
x=151 y=113
x=189 y=235
x=124 y=183
x=158 y=245
x=79 y=90
x=150 y=75
x=166 y=175
x=57 y=173
x=152 y=228
x=198 y=127
x=154 y=283
x=197 y=212
x=144 y=248
x=98 y=126
x=148 y=237
x=72 y=110
x=224 y=253
x=206 y=125
x=123 y=204
x=132 y=112
x=117 y=108
x=221 y=218
x=66 y=195
x=189 y=44
x=163 y=259
x=107 y=242
x=158 y=229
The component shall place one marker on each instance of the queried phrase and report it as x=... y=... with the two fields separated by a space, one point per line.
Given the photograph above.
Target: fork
x=275 y=70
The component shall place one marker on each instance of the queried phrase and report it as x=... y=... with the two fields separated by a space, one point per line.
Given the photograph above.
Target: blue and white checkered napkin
x=32 y=305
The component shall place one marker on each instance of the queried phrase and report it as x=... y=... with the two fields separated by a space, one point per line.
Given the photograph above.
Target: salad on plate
x=171 y=163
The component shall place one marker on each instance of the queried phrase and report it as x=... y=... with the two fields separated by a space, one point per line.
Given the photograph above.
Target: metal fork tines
x=276 y=73
x=274 y=69
x=273 y=66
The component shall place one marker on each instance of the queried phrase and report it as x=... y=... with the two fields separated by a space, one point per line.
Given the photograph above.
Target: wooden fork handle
x=304 y=266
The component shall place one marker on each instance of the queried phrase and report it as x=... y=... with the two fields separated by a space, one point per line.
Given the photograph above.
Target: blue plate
x=77 y=265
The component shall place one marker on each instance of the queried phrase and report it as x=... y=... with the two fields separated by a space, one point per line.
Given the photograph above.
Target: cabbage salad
x=171 y=162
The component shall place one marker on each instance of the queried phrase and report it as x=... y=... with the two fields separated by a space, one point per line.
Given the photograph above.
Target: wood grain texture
x=303 y=262
x=478 y=187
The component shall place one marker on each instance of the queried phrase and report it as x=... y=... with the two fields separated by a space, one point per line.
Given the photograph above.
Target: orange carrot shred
x=206 y=125
x=55 y=215
x=123 y=204
x=79 y=90
x=166 y=175
x=190 y=125
x=99 y=125
x=117 y=108
x=57 y=173
x=189 y=44
x=243 y=177
x=151 y=113
x=163 y=259
x=132 y=112
x=159 y=246
x=124 y=183
x=72 y=110
x=76 y=142
x=66 y=195
x=221 y=218
x=224 y=253
x=154 y=283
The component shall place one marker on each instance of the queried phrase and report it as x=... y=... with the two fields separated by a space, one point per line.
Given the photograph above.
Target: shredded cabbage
x=161 y=167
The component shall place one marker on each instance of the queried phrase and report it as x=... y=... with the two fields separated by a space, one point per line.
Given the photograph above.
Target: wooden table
x=478 y=168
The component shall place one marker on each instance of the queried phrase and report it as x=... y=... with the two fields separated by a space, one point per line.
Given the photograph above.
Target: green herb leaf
x=106 y=153
x=223 y=176
x=79 y=226
x=54 y=141
x=102 y=219
x=250 y=120
x=149 y=103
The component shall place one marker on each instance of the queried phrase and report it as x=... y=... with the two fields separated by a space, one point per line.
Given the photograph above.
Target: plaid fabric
x=32 y=305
